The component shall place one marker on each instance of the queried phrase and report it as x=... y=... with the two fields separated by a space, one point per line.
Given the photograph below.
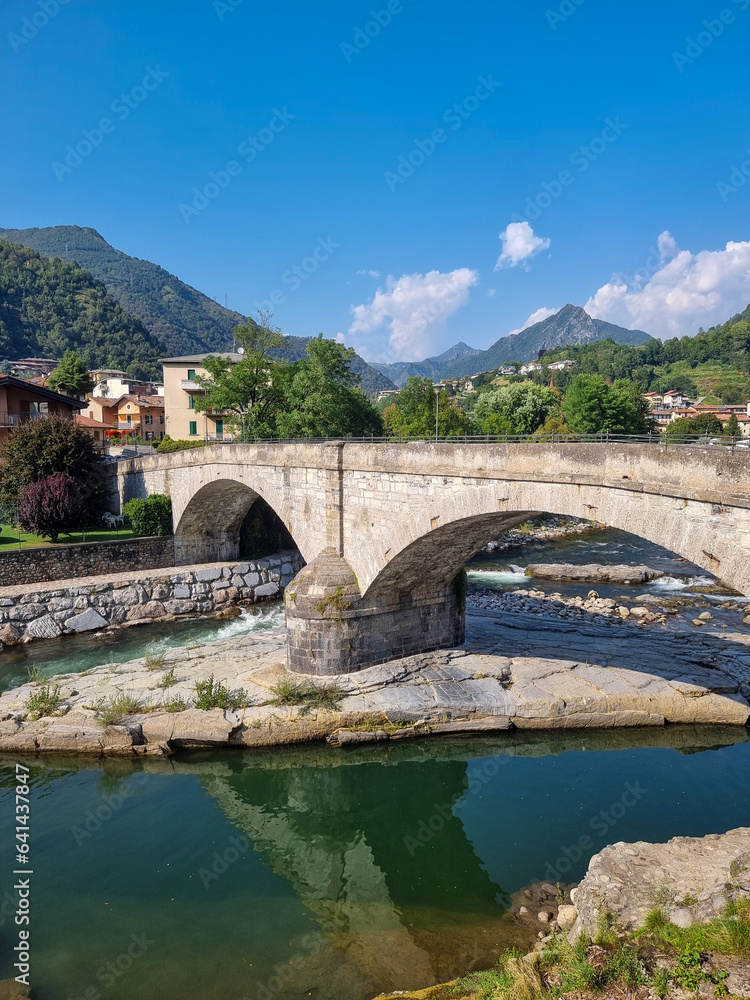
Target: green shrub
x=291 y=692
x=167 y=444
x=213 y=694
x=44 y=701
x=168 y=679
x=176 y=704
x=150 y=515
x=116 y=709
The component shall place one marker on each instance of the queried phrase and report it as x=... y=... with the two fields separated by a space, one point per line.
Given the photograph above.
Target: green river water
x=335 y=875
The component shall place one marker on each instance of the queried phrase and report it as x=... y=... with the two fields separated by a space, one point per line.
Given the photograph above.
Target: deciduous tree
x=51 y=506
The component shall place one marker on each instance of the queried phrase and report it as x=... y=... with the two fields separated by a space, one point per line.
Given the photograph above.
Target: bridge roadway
x=386 y=528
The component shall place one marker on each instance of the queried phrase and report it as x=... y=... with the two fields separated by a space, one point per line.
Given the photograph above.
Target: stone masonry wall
x=40 y=612
x=64 y=562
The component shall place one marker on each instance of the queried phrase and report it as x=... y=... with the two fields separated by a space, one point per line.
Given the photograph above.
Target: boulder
x=10 y=635
x=86 y=621
x=693 y=878
x=43 y=628
x=566 y=917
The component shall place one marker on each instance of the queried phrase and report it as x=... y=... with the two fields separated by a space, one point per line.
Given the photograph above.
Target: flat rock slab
x=521 y=673
x=690 y=879
x=592 y=572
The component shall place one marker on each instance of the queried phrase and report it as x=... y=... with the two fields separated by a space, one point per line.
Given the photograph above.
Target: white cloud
x=520 y=244
x=369 y=273
x=491 y=292
x=339 y=338
x=536 y=317
x=411 y=307
x=684 y=292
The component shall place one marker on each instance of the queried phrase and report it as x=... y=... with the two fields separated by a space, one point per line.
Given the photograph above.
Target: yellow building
x=181 y=390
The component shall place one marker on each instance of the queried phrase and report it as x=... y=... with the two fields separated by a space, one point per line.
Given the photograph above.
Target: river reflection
x=332 y=874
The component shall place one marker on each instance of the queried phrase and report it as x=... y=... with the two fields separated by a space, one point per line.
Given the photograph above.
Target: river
x=332 y=874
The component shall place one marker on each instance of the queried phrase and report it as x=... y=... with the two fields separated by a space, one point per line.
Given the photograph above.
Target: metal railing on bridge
x=656 y=439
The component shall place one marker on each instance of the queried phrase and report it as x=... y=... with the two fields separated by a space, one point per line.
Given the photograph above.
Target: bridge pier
x=332 y=629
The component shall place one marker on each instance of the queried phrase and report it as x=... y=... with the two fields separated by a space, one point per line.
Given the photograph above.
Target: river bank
x=510 y=675
x=648 y=920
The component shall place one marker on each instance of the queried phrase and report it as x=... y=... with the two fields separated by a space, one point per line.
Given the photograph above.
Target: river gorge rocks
x=44 y=611
x=690 y=879
x=593 y=573
x=521 y=683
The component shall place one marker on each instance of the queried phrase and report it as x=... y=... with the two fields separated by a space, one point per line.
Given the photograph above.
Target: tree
x=323 y=396
x=41 y=449
x=592 y=406
x=733 y=426
x=52 y=505
x=691 y=428
x=414 y=412
x=514 y=409
x=71 y=376
x=252 y=390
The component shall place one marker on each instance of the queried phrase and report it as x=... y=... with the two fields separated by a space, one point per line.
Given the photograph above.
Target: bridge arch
x=429 y=547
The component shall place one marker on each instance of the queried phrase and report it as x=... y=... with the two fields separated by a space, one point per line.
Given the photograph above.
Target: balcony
x=190 y=385
x=10 y=419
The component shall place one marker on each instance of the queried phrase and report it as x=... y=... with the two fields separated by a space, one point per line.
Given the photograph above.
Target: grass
x=167 y=680
x=116 y=709
x=35 y=675
x=213 y=694
x=291 y=692
x=649 y=963
x=13 y=538
x=155 y=662
x=44 y=701
x=176 y=704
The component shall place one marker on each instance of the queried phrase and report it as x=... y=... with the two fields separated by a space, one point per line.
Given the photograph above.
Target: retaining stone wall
x=94 y=604
x=63 y=562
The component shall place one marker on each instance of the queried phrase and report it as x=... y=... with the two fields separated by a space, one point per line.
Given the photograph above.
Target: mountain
x=181 y=320
x=399 y=371
x=567 y=328
x=184 y=319
x=371 y=380
x=47 y=306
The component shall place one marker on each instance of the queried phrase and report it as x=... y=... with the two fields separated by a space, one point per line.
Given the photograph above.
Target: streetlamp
x=437 y=386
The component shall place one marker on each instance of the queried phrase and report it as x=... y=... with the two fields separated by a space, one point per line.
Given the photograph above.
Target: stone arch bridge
x=386 y=528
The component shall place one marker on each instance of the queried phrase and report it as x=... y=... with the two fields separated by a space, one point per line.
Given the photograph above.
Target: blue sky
x=599 y=140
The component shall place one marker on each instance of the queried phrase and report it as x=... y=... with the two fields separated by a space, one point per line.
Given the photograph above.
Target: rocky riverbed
x=524 y=671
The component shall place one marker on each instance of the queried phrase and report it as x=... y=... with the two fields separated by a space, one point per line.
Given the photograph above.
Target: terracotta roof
x=43 y=391
x=90 y=422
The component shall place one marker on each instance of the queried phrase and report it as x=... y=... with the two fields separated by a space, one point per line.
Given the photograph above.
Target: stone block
x=43 y=628
x=252 y=579
x=206 y=575
x=151 y=609
x=85 y=622
x=59 y=604
x=181 y=591
x=26 y=612
x=267 y=589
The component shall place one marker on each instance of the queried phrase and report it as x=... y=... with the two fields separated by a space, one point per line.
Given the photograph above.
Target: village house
x=560 y=366
x=181 y=390
x=140 y=416
x=110 y=383
x=21 y=401
x=95 y=429
x=508 y=370
x=654 y=399
x=530 y=368
x=674 y=398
